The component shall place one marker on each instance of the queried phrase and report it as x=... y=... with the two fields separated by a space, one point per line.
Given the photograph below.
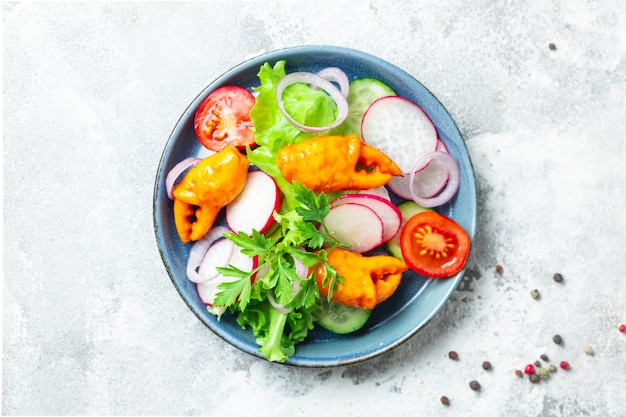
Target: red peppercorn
x=529 y=369
x=622 y=328
x=564 y=365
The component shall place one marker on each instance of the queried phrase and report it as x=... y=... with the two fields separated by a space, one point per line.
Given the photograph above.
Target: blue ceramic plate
x=415 y=302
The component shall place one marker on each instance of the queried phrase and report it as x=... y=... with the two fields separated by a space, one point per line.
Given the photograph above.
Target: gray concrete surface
x=91 y=322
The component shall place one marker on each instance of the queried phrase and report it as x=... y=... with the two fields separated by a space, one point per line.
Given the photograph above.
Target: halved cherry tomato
x=434 y=245
x=223 y=118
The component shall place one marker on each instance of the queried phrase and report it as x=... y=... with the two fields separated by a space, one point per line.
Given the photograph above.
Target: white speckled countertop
x=91 y=322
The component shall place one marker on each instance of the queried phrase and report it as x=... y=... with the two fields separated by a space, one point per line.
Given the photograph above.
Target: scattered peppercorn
x=622 y=328
x=543 y=373
x=557 y=339
x=552 y=368
x=588 y=350
x=534 y=294
x=453 y=355
x=537 y=364
x=445 y=400
x=544 y=357
x=474 y=385
x=529 y=369
x=534 y=378
x=519 y=373
x=557 y=277
x=486 y=365
x=564 y=365
x=552 y=46
x=499 y=269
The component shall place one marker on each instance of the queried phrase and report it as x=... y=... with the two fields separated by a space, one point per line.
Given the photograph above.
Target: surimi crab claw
x=205 y=189
x=336 y=163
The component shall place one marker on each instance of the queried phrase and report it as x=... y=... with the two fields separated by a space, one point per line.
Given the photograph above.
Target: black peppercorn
x=534 y=378
x=552 y=47
x=557 y=277
x=453 y=355
x=486 y=365
x=557 y=339
x=445 y=400
x=474 y=385
x=544 y=357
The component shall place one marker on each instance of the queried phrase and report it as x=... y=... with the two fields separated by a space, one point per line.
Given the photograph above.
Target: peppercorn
x=529 y=369
x=557 y=339
x=486 y=365
x=543 y=373
x=474 y=385
x=499 y=269
x=622 y=328
x=552 y=46
x=519 y=373
x=544 y=357
x=445 y=400
x=588 y=350
x=534 y=294
x=534 y=378
x=552 y=368
x=537 y=364
x=564 y=365
x=453 y=355
x=557 y=277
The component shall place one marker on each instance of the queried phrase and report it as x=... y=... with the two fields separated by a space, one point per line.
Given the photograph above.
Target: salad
x=329 y=188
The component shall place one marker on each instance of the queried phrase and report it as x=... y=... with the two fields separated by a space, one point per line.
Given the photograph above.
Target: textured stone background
x=91 y=322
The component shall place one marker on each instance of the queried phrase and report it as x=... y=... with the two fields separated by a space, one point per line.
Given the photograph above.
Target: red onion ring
x=199 y=249
x=336 y=75
x=278 y=307
x=317 y=81
x=175 y=172
x=450 y=187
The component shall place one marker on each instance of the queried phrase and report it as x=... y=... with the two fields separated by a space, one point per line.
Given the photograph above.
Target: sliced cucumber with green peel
x=363 y=92
x=339 y=318
x=408 y=210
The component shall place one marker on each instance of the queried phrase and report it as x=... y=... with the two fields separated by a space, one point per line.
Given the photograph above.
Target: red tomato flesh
x=434 y=245
x=223 y=119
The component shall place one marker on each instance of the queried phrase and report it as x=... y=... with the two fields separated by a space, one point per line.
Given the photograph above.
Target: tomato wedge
x=223 y=119
x=434 y=245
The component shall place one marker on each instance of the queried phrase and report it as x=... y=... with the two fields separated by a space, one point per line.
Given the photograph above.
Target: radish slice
x=208 y=290
x=428 y=180
x=400 y=128
x=378 y=191
x=355 y=224
x=254 y=207
x=198 y=251
x=385 y=209
x=441 y=147
x=219 y=254
x=401 y=186
x=175 y=172
x=336 y=75
x=316 y=81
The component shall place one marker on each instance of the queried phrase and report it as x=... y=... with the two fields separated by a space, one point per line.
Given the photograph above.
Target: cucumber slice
x=363 y=92
x=408 y=209
x=339 y=318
